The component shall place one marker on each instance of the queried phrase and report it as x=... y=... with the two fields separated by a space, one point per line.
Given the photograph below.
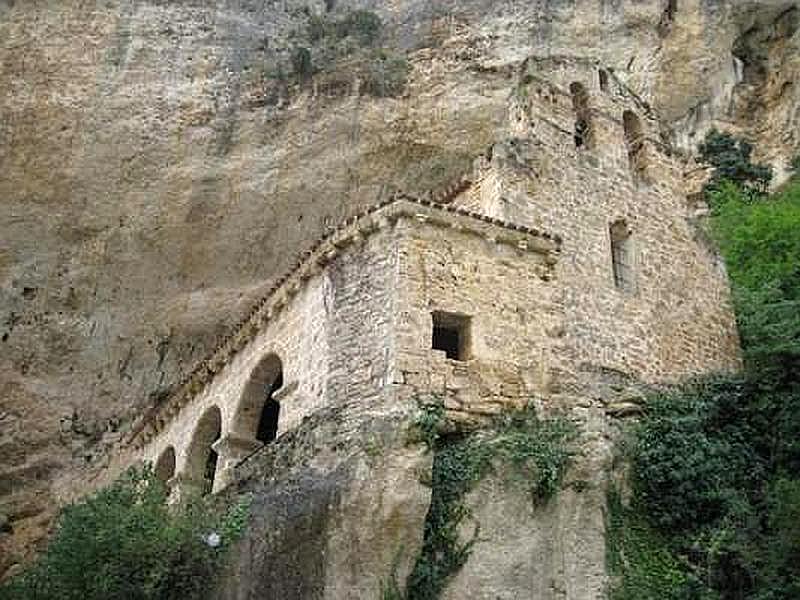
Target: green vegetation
x=362 y=26
x=715 y=511
x=654 y=573
x=125 y=543
x=760 y=240
x=536 y=452
x=334 y=50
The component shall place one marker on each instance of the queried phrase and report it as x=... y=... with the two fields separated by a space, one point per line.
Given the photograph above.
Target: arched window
x=602 y=75
x=634 y=142
x=165 y=465
x=202 y=459
x=621 y=256
x=668 y=16
x=258 y=412
x=583 y=123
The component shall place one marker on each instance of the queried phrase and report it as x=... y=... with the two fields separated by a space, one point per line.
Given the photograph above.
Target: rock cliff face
x=161 y=161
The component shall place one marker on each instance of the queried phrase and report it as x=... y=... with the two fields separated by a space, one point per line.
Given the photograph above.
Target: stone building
x=568 y=254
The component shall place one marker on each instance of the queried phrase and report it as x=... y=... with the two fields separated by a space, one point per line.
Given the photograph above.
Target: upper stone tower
x=644 y=294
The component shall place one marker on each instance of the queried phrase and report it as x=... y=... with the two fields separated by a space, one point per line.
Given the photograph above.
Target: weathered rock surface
x=527 y=550
x=153 y=181
x=338 y=508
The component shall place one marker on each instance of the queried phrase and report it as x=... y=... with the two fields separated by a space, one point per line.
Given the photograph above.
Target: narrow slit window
x=602 y=75
x=621 y=259
x=583 y=118
x=451 y=334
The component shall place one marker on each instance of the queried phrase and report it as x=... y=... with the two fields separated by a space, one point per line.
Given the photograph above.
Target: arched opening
x=165 y=466
x=259 y=411
x=602 y=76
x=202 y=458
x=268 y=422
x=621 y=260
x=634 y=142
x=583 y=122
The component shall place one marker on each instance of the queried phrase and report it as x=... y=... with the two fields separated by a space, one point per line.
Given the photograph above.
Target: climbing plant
x=534 y=452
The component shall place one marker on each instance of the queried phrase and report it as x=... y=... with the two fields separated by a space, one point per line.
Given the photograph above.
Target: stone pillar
x=291 y=409
x=183 y=488
x=231 y=450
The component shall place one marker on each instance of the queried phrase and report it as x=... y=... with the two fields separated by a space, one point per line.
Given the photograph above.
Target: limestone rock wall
x=152 y=181
x=338 y=508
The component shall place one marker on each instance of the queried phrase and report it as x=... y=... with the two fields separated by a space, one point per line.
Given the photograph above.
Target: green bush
x=364 y=26
x=715 y=463
x=641 y=558
x=302 y=66
x=385 y=75
x=125 y=543
x=691 y=454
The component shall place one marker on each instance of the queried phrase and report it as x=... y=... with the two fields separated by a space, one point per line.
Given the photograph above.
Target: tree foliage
x=716 y=464
x=761 y=244
x=125 y=543
x=731 y=159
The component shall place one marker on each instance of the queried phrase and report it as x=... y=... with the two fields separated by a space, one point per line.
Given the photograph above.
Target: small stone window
x=451 y=334
x=602 y=75
x=621 y=255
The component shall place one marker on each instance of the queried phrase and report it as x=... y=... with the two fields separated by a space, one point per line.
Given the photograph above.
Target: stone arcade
x=468 y=297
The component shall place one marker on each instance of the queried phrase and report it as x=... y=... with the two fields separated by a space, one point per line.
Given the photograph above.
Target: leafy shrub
x=715 y=463
x=731 y=159
x=125 y=543
x=641 y=557
x=364 y=26
x=691 y=454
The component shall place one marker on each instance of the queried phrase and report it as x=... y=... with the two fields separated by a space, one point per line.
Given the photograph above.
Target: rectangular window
x=451 y=334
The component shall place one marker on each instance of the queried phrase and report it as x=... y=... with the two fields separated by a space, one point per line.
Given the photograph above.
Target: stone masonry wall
x=304 y=362
x=332 y=339
x=362 y=327
x=516 y=312
x=676 y=320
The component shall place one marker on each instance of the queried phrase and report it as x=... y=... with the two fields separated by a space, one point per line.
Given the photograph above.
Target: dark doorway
x=268 y=422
